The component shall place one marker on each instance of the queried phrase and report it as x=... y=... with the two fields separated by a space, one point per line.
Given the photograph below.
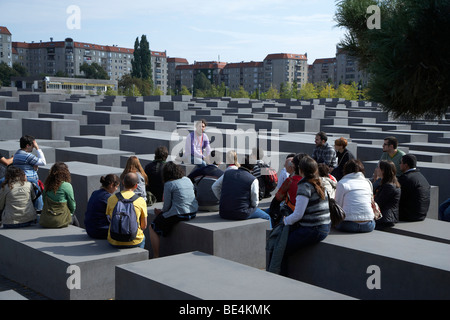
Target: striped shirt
x=26 y=161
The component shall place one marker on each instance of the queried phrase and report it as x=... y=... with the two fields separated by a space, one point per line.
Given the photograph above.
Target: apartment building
x=6 y=50
x=249 y=75
x=348 y=71
x=174 y=78
x=285 y=68
x=323 y=70
x=66 y=57
x=211 y=69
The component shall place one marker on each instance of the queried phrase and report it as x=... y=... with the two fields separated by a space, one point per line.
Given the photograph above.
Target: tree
x=94 y=71
x=201 y=83
x=141 y=66
x=407 y=57
x=308 y=91
x=184 y=91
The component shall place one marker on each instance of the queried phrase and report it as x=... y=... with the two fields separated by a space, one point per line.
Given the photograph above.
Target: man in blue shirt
x=323 y=152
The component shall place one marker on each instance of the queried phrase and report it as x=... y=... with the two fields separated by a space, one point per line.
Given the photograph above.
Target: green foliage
x=184 y=91
x=6 y=72
x=94 y=71
x=407 y=58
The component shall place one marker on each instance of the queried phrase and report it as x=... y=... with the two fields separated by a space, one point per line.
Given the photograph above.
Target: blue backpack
x=124 y=225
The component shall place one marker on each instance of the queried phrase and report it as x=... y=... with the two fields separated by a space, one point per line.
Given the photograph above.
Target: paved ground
x=7 y=284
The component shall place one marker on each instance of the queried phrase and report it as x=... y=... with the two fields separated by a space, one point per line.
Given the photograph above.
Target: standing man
x=391 y=153
x=415 y=191
x=323 y=152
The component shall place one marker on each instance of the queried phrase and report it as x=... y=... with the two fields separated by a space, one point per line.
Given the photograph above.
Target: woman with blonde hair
x=134 y=165
x=232 y=160
x=59 y=200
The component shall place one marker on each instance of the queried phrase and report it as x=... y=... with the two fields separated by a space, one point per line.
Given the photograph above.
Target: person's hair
x=296 y=161
x=410 y=160
x=310 y=171
x=342 y=142
x=133 y=165
x=389 y=172
x=232 y=158
x=290 y=155
x=322 y=135
x=203 y=121
x=324 y=169
x=108 y=179
x=353 y=166
x=130 y=180
x=58 y=174
x=172 y=171
x=26 y=140
x=247 y=164
x=258 y=153
x=392 y=141
x=161 y=153
x=13 y=175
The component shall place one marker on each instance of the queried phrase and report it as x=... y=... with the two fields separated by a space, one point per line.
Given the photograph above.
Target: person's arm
x=68 y=190
x=167 y=197
x=254 y=200
x=143 y=216
x=217 y=187
x=6 y=161
x=40 y=155
x=301 y=202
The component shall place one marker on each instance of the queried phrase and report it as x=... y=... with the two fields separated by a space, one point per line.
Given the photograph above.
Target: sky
x=198 y=30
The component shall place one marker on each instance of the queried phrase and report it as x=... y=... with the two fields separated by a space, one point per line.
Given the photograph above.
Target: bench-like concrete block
x=40 y=258
x=428 y=229
x=85 y=179
x=196 y=275
x=241 y=241
x=106 y=157
x=10 y=128
x=349 y=263
x=11 y=295
x=50 y=128
x=94 y=141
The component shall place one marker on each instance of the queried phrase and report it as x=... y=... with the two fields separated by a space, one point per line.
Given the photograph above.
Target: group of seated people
x=301 y=200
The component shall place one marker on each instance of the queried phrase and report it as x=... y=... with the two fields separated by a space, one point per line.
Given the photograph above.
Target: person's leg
x=259 y=213
x=154 y=241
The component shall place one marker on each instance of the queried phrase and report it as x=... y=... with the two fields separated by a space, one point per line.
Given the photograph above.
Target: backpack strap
x=121 y=198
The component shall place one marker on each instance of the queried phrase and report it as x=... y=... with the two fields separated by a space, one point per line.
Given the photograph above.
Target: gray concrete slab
x=241 y=241
x=94 y=155
x=95 y=141
x=405 y=268
x=428 y=229
x=50 y=128
x=45 y=259
x=191 y=275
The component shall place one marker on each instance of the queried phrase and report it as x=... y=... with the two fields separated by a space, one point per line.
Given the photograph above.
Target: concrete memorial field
x=95 y=135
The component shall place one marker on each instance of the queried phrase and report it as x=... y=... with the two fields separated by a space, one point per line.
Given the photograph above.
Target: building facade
x=6 y=50
x=285 y=68
x=323 y=70
x=211 y=69
x=348 y=71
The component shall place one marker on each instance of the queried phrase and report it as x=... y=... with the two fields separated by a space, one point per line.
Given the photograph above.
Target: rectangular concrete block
x=50 y=128
x=241 y=241
x=94 y=141
x=46 y=259
x=376 y=265
x=85 y=179
x=428 y=229
x=102 y=156
x=10 y=128
x=199 y=276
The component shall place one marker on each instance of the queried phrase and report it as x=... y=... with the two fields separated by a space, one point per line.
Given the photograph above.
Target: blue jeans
x=19 y=225
x=259 y=213
x=300 y=236
x=356 y=227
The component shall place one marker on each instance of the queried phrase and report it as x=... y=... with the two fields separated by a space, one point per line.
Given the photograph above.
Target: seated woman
x=179 y=204
x=343 y=156
x=59 y=200
x=134 y=165
x=354 y=195
x=16 y=200
x=387 y=194
x=310 y=221
x=287 y=193
x=95 y=219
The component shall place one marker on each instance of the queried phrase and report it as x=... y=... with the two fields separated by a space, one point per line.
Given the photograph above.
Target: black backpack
x=124 y=225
